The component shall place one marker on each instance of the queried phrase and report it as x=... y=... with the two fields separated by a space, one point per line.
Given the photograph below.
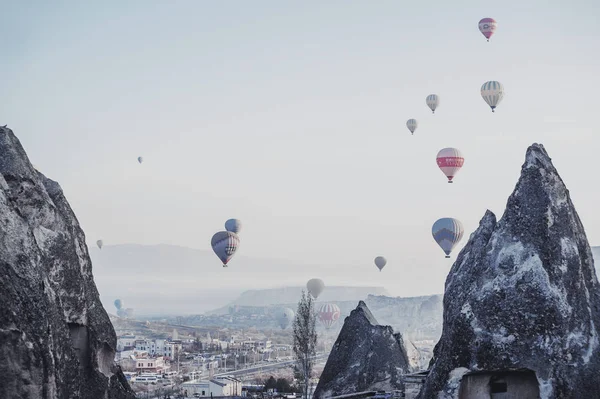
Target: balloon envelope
x=329 y=313
x=233 y=225
x=100 y=243
x=285 y=317
x=447 y=232
x=118 y=303
x=487 y=27
x=129 y=313
x=380 y=262
x=225 y=243
x=492 y=93
x=432 y=101
x=315 y=286
x=450 y=160
x=140 y=159
x=412 y=125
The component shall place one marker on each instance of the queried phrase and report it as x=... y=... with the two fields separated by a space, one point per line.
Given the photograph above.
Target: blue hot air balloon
x=447 y=232
x=233 y=225
x=118 y=304
x=225 y=243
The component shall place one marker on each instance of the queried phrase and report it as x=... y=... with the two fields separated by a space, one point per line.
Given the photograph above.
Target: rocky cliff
x=56 y=339
x=522 y=300
x=365 y=356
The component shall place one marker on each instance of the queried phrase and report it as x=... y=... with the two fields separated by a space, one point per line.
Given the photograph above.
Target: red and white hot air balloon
x=329 y=314
x=450 y=160
x=487 y=27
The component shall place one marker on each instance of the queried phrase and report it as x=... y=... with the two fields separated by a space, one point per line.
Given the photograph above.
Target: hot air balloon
x=100 y=243
x=380 y=262
x=140 y=159
x=447 y=232
x=450 y=160
x=315 y=286
x=233 y=225
x=285 y=317
x=129 y=313
x=412 y=125
x=329 y=313
x=432 y=102
x=225 y=243
x=492 y=93
x=487 y=27
x=118 y=304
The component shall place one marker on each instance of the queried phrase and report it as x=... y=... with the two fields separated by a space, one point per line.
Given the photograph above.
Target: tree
x=305 y=338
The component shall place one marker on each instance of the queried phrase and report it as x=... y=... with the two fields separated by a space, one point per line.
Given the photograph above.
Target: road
x=266 y=367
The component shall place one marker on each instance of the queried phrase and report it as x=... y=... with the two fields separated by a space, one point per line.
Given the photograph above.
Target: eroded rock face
x=366 y=356
x=56 y=339
x=523 y=295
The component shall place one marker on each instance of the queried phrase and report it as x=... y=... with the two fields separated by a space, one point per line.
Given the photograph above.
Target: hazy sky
x=291 y=116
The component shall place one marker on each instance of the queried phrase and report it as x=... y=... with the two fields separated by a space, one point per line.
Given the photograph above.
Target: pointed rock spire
x=522 y=297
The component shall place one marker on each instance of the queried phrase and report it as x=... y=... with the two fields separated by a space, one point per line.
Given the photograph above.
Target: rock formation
x=56 y=339
x=365 y=356
x=522 y=301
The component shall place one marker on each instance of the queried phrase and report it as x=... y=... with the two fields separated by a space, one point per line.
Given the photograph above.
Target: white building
x=159 y=347
x=218 y=386
x=125 y=341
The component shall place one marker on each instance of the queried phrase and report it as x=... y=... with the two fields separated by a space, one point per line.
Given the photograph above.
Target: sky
x=291 y=117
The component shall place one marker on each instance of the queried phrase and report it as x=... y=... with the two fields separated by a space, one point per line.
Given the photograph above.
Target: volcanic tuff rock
x=56 y=339
x=366 y=356
x=523 y=294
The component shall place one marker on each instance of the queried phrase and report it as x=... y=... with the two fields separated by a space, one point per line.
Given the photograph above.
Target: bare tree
x=305 y=338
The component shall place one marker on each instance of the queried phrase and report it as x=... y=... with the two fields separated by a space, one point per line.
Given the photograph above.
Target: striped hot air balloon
x=329 y=314
x=447 y=232
x=432 y=102
x=450 y=160
x=492 y=93
x=487 y=26
x=412 y=125
x=225 y=243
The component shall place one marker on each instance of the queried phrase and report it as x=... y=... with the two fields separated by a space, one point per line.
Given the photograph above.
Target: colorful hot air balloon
x=329 y=314
x=450 y=160
x=118 y=304
x=225 y=243
x=380 y=262
x=447 y=232
x=432 y=102
x=285 y=317
x=140 y=159
x=412 y=125
x=487 y=27
x=233 y=225
x=100 y=243
x=315 y=286
x=492 y=93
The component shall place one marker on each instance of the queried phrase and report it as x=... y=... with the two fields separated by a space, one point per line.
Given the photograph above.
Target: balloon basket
x=447 y=256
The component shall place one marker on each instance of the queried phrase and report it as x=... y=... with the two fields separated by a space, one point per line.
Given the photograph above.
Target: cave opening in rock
x=501 y=384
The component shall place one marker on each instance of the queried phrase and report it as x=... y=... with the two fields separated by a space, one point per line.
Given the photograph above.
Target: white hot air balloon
x=140 y=159
x=492 y=93
x=432 y=101
x=100 y=243
x=315 y=286
x=380 y=262
x=285 y=317
x=412 y=125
